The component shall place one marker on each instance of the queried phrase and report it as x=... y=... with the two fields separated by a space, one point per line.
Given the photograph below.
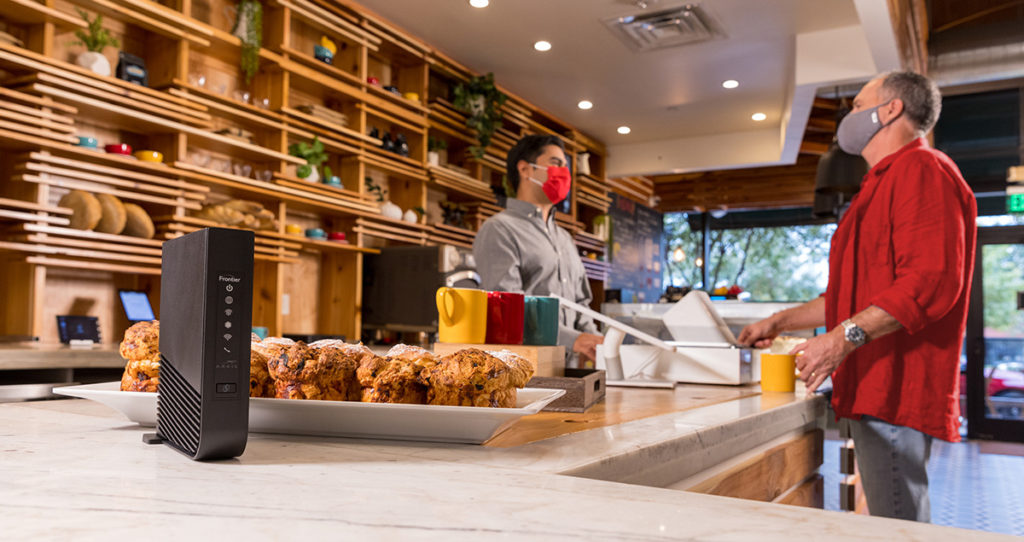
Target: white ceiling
x=665 y=94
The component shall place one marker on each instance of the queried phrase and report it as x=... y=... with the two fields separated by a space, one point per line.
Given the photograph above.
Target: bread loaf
x=87 y=209
x=137 y=223
x=114 y=215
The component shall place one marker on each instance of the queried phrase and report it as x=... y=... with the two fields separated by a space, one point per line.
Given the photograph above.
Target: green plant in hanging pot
x=95 y=39
x=249 y=28
x=315 y=155
x=481 y=100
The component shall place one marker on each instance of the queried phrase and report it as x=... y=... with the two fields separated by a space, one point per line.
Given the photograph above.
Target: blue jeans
x=893 y=463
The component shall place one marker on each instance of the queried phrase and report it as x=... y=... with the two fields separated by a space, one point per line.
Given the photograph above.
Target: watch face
x=855 y=335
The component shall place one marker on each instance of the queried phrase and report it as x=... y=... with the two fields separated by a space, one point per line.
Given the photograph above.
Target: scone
x=396 y=378
x=141 y=375
x=325 y=371
x=473 y=377
x=141 y=341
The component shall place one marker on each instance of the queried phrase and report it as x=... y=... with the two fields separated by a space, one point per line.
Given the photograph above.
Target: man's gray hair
x=921 y=99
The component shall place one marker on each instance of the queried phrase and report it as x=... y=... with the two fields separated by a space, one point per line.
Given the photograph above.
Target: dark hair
x=528 y=148
x=921 y=99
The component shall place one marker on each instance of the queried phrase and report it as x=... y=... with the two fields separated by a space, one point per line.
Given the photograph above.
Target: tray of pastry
x=392 y=421
x=333 y=388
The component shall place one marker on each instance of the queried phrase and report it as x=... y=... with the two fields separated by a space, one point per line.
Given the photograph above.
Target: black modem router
x=205 y=325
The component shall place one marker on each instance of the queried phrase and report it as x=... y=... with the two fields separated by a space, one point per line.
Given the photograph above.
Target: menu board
x=636 y=250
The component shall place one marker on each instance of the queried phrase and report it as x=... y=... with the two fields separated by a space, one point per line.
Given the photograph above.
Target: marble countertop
x=76 y=469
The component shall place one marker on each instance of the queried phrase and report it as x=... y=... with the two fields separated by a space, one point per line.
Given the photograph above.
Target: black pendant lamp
x=838 y=176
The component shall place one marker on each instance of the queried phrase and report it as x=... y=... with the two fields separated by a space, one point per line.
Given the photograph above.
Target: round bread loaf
x=87 y=209
x=114 y=215
x=138 y=223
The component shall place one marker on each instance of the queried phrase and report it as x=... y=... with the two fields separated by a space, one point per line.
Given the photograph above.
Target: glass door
x=995 y=337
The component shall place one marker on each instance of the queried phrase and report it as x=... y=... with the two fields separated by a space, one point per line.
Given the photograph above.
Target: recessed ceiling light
x=623 y=130
x=585 y=104
x=731 y=83
x=479 y=3
x=542 y=45
x=758 y=116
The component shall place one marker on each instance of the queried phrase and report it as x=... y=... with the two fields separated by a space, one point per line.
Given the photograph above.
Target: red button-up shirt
x=906 y=245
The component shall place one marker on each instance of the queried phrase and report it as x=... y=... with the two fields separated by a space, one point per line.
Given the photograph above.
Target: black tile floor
x=969 y=489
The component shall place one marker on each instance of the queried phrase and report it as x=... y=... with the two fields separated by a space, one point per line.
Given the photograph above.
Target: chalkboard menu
x=636 y=250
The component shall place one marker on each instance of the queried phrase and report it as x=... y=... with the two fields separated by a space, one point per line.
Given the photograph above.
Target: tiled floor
x=969 y=489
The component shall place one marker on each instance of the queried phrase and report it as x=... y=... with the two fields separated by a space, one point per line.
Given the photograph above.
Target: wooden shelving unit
x=223 y=140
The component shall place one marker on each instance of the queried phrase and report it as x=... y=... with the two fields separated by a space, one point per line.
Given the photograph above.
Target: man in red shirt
x=900 y=270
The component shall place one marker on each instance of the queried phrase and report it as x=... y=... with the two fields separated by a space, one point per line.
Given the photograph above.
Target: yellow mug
x=462 y=315
x=778 y=372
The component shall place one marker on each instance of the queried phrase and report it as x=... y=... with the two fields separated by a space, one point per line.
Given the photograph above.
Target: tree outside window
x=787 y=263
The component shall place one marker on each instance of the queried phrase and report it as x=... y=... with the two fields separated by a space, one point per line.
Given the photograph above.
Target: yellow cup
x=462 y=315
x=778 y=372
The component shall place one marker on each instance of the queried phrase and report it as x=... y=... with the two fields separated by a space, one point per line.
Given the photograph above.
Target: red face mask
x=556 y=188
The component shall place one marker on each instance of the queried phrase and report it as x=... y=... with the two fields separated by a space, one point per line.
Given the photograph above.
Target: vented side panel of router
x=178 y=410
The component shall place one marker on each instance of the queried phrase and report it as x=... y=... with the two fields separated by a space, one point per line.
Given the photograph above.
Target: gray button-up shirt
x=516 y=250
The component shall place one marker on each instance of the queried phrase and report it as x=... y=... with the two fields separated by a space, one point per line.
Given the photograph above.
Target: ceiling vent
x=681 y=25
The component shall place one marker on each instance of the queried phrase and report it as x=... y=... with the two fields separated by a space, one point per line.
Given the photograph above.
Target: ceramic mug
x=462 y=315
x=505 y=318
x=778 y=372
x=540 y=322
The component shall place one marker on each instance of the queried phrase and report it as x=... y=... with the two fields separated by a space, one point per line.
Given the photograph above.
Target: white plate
x=434 y=423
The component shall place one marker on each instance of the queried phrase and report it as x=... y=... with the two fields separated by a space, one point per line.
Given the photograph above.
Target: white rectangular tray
x=433 y=423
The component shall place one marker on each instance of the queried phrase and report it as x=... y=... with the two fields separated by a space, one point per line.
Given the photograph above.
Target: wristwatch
x=853 y=333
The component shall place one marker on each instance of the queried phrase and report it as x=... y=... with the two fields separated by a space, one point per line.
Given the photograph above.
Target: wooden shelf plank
x=32 y=12
x=32 y=206
x=292 y=112
x=32 y=217
x=94 y=266
x=105 y=189
x=76 y=253
x=87 y=234
x=326 y=20
x=46 y=169
x=122 y=171
x=97 y=245
x=230 y=111
x=137 y=13
x=135 y=121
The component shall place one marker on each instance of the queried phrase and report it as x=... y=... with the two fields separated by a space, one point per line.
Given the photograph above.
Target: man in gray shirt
x=522 y=249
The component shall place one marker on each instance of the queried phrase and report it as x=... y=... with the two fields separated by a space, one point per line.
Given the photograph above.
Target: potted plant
x=434 y=148
x=95 y=39
x=481 y=100
x=249 y=28
x=388 y=209
x=315 y=155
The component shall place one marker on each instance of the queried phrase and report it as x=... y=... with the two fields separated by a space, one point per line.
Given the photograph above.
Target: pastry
x=141 y=342
x=473 y=377
x=113 y=217
x=87 y=209
x=322 y=370
x=396 y=378
x=141 y=375
x=137 y=222
x=260 y=383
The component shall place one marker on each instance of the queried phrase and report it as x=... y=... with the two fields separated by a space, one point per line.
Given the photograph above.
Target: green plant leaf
x=304 y=171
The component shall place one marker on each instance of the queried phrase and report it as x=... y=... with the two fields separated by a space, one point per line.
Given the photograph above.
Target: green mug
x=540 y=321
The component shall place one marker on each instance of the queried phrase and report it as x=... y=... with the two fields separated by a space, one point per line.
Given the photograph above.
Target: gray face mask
x=857 y=129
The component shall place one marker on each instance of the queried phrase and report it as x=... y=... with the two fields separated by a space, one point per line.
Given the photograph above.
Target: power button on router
x=226 y=388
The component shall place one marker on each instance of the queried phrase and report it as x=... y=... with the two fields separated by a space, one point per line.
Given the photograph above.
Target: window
x=776 y=263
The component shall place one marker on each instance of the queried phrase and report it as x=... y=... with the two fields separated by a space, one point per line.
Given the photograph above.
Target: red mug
x=504 y=318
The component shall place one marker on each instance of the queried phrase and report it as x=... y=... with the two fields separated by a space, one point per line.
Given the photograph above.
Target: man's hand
x=819 y=357
x=759 y=334
x=586 y=345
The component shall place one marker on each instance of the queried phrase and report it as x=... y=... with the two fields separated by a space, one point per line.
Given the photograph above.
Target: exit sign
x=1015 y=203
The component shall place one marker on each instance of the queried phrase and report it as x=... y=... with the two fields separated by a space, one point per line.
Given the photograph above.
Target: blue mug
x=540 y=321
x=88 y=142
